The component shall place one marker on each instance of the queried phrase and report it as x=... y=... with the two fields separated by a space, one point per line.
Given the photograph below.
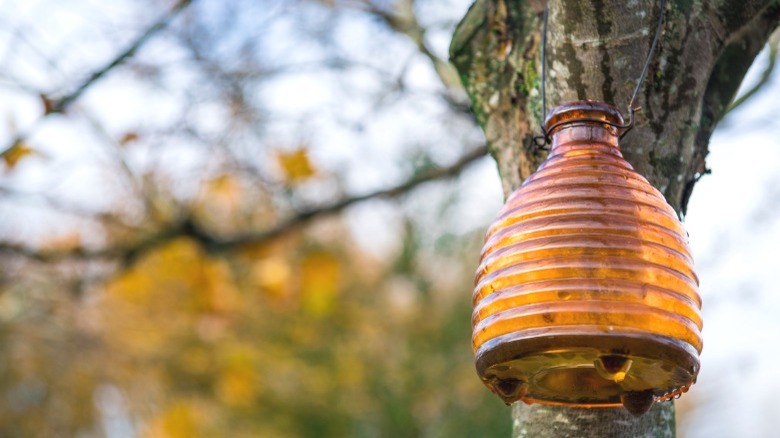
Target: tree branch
x=737 y=16
x=732 y=64
x=404 y=21
x=306 y=216
x=59 y=105
x=772 y=46
x=188 y=228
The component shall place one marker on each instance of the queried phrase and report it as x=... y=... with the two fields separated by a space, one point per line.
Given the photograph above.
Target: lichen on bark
x=495 y=52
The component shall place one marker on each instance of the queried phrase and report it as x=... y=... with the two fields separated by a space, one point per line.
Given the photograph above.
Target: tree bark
x=595 y=50
x=540 y=421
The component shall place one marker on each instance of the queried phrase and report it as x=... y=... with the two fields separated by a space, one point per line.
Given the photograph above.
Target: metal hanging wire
x=545 y=137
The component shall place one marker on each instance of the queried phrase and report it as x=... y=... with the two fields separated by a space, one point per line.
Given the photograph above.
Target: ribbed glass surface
x=586 y=293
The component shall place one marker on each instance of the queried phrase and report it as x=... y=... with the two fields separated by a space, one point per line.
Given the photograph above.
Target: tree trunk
x=540 y=421
x=595 y=50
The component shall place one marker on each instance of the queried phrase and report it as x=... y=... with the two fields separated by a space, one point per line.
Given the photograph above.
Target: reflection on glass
x=586 y=294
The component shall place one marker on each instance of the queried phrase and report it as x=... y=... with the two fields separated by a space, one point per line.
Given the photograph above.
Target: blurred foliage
x=305 y=336
x=124 y=312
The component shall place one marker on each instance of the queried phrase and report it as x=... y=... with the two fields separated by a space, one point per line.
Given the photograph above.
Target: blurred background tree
x=244 y=218
x=183 y=253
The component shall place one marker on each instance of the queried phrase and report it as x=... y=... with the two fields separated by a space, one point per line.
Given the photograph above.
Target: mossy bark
x=596 y=49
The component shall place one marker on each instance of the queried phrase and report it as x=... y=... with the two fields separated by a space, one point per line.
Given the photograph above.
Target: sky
x=734 y=228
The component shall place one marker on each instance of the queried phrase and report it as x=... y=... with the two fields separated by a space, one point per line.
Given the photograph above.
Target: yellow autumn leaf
x=221 y=202
x=236 y=387
x=295 y=165
x=159 y=274
x=225 y=189
x=239 y=382
x=128 y=137
x=178 y=421
x=174 y=287
x=320 y=282
x=16 y=153
x=272 y=275
x=132 y=286
x=219 y=293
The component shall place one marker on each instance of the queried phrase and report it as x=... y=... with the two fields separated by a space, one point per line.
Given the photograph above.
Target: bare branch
x=404 y=21
x=133 y=182
x=306 y=216
x=62 y=103
x=53 y=204
x=725 y=78
x=59 y=105
x=188 y=228
x=773 y=46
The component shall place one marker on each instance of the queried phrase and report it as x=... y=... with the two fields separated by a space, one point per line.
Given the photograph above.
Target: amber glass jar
x=586 y=294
